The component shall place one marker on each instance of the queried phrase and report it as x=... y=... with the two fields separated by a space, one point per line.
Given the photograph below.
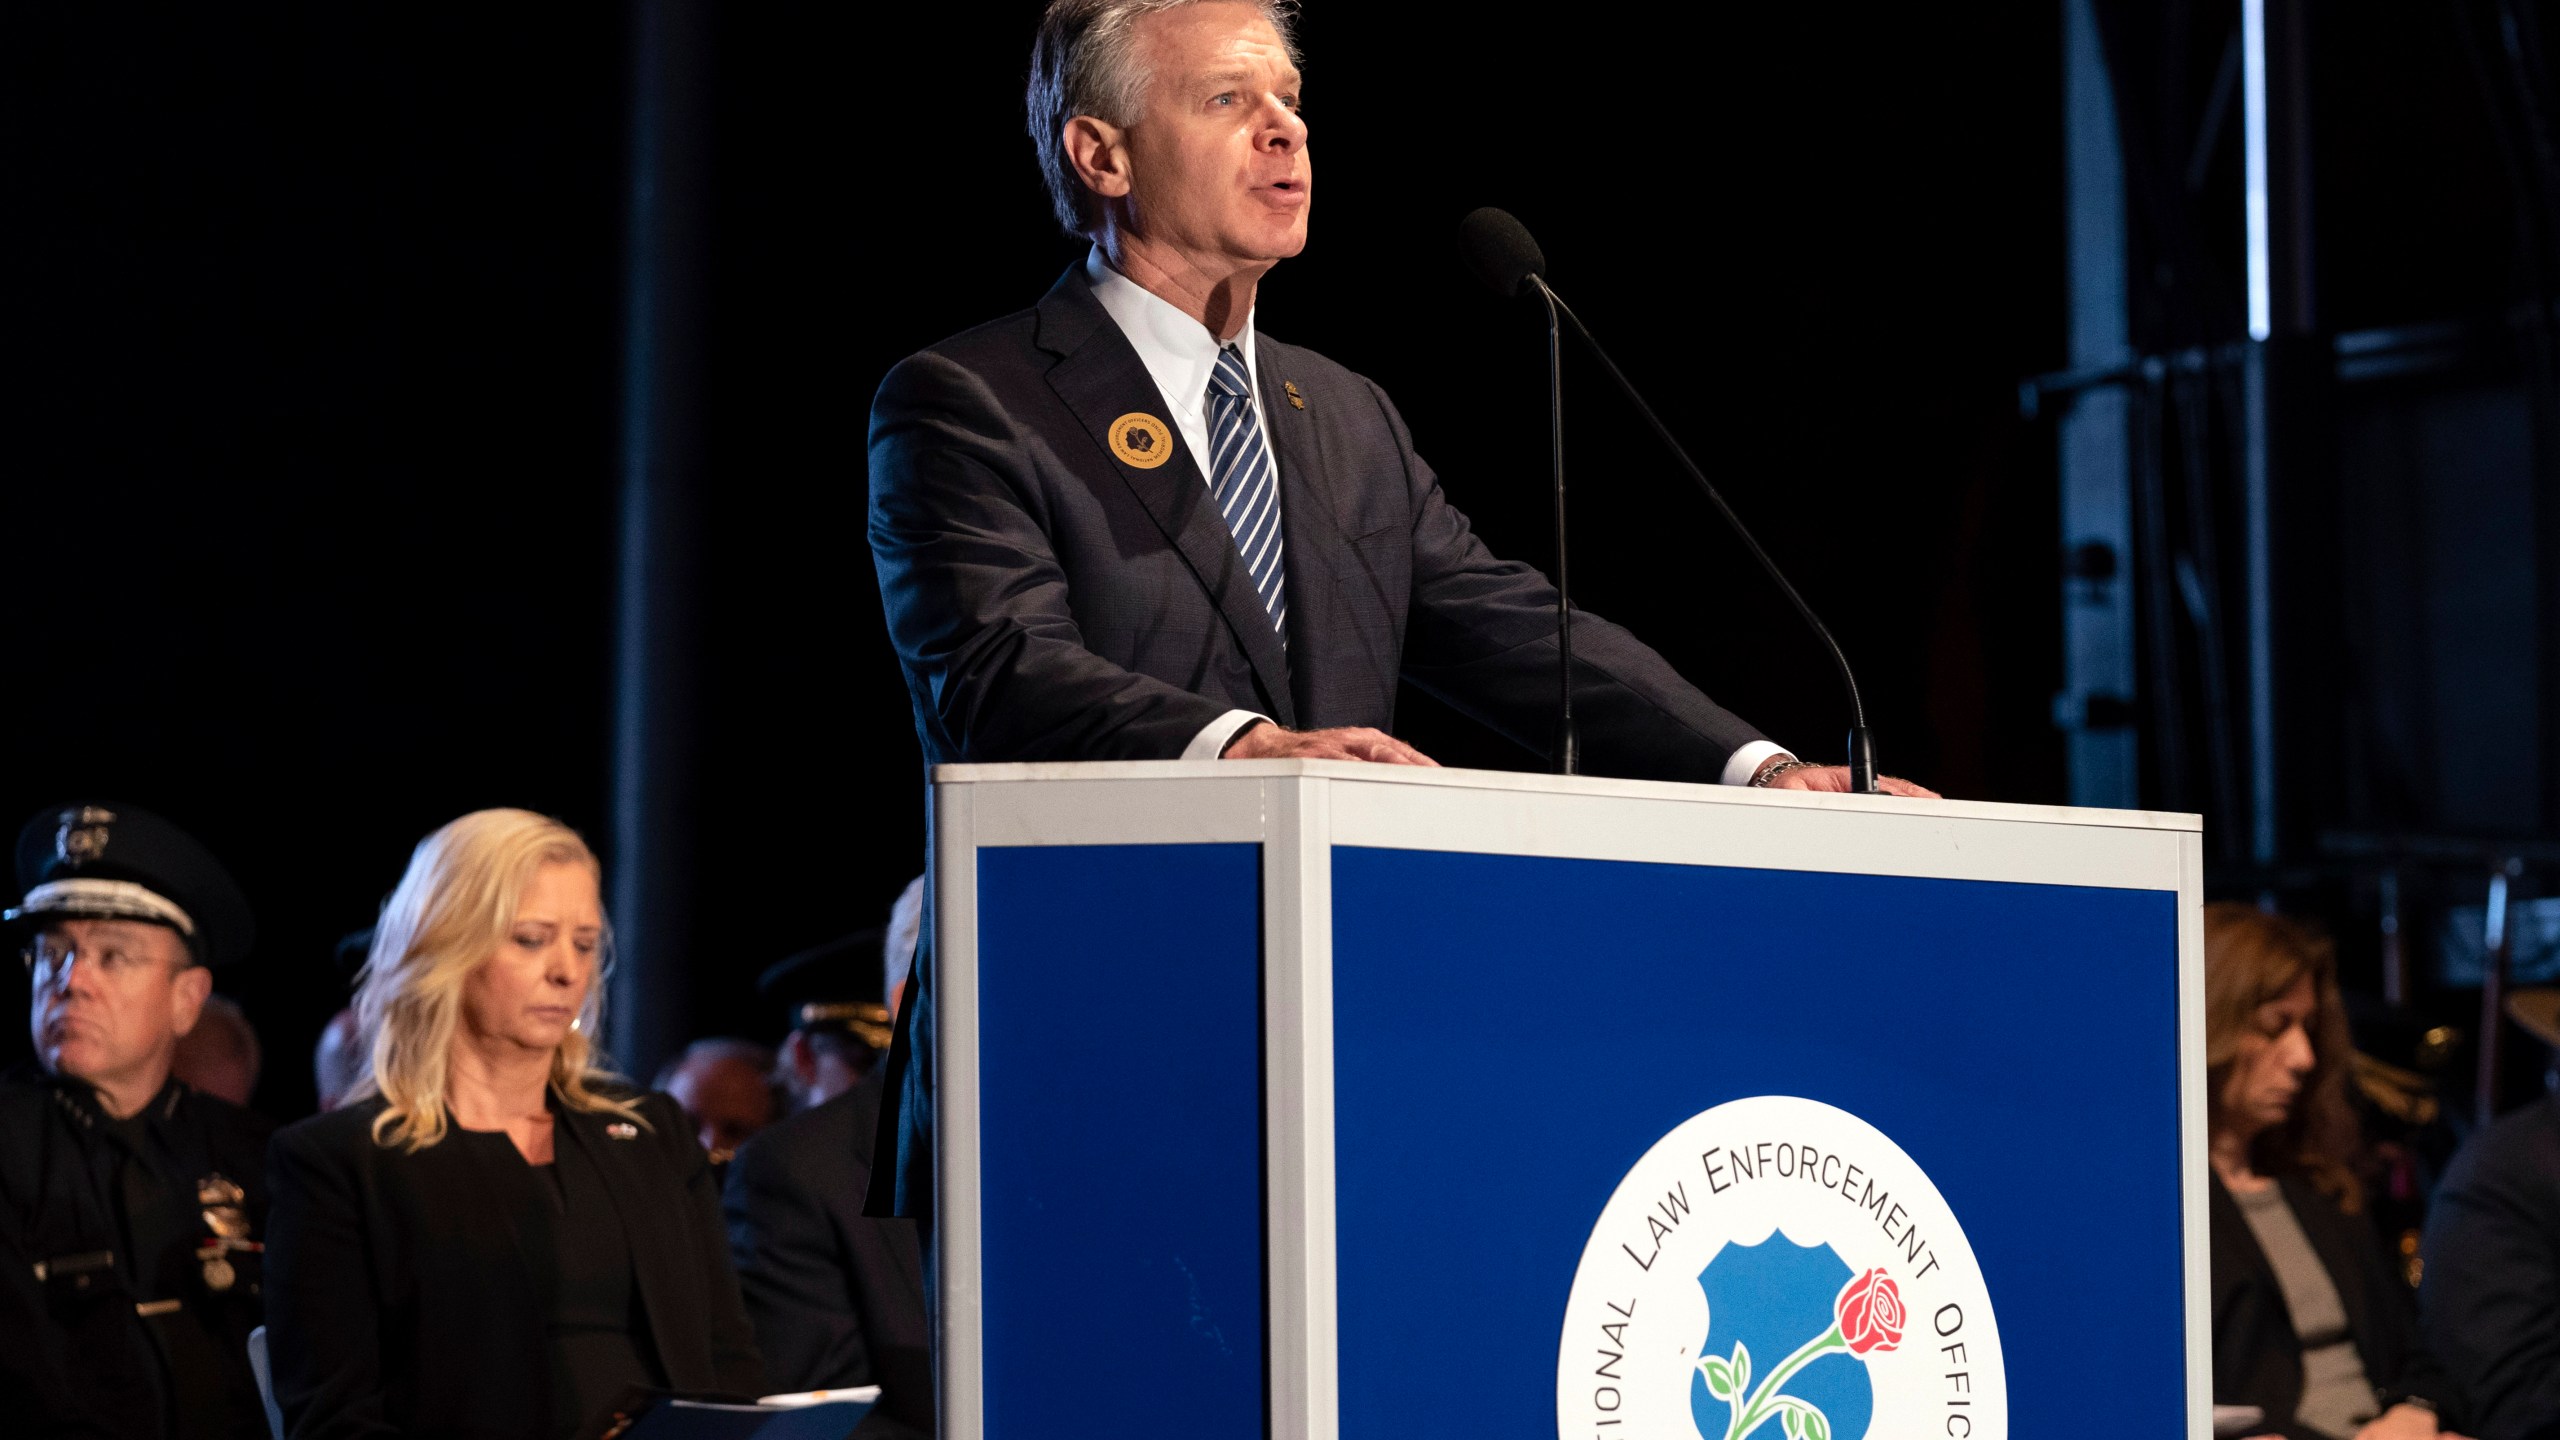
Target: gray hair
x=1084 y=63
x=898 y=945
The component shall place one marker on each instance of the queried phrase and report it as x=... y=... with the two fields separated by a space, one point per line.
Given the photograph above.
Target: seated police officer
x=136 y=1203
x=835 y=1039
x=837 y=1298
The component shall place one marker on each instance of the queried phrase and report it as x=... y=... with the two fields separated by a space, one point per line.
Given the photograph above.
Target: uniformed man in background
x=136 y=1204
x=839 y=1026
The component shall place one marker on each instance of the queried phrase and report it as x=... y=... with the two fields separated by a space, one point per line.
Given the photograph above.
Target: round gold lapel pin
x=1142 y=440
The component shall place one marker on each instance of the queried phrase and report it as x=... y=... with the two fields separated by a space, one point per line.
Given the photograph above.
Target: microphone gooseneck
x=1499 y=250
x=1568 y=744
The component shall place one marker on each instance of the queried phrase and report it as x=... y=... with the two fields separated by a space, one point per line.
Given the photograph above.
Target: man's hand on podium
x=1834 y=778
x=1264 y=741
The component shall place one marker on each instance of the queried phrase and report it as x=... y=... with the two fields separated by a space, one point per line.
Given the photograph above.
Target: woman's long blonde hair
x=451 y=912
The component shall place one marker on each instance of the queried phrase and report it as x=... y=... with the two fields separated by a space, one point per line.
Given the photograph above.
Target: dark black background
x=312 y=336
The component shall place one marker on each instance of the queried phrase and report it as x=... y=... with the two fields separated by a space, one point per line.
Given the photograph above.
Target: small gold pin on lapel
x=623 y=1130
x=1141 y=440
x=1296 y=400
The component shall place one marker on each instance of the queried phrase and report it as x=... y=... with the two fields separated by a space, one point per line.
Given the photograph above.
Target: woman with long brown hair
x=498 y=1238
x=2310 y=1324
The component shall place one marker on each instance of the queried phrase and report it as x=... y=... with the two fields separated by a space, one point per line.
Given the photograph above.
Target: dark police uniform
x=135 y=1231
x=134 y=1243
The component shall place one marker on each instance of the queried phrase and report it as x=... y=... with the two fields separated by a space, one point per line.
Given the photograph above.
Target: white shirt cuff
x=1213 y=737
x=1744 y=763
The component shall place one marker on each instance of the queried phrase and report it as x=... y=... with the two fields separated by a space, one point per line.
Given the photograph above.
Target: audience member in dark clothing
x=2493 y=1274
x=341 y=1057
x=495 y=1240
x=338 y=1060
x=837 y=1298
x=220 y=1057
x=2310 y=1324
x=726 y=1090
x=839 y=1029
x=131 y=1207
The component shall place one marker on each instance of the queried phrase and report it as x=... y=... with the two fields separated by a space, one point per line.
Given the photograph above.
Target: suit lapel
x=1308 y=522
x=1100 y=379
x=622 y=1165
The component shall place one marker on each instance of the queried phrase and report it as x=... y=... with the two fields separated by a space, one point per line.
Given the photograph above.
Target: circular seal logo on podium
x=1778 y=1269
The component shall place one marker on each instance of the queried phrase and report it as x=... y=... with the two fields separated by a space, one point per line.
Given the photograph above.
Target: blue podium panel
x=1510 y=1035
x=1121 y=1115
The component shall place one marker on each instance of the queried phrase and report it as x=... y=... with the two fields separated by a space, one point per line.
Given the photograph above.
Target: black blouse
x=598 y=1326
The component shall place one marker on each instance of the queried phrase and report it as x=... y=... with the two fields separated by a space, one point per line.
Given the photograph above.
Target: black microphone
x=1504 y=257
x=1499 y=250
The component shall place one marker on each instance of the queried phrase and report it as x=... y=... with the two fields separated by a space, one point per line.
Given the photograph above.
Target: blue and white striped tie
x=1245 y=482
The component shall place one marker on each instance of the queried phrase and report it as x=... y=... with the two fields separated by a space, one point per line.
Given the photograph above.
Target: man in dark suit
x=837 y=1298
x=1123 y=525
x=2491 y=1304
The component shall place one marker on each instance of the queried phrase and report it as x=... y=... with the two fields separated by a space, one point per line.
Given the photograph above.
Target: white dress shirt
x=1180 y=354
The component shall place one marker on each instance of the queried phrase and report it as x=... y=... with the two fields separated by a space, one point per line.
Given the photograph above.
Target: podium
x=1310 y=1099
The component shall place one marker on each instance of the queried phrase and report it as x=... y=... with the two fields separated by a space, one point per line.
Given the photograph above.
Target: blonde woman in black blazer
x=497 y=1240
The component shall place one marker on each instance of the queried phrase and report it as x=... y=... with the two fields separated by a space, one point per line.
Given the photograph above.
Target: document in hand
x=2237 y=1419
x=794 y=1418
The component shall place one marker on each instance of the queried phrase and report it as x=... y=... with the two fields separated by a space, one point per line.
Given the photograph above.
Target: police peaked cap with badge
x=104 y=861
x=833 y=987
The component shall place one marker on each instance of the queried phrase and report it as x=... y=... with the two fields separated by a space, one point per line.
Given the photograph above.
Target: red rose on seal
x=1870 y=1313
